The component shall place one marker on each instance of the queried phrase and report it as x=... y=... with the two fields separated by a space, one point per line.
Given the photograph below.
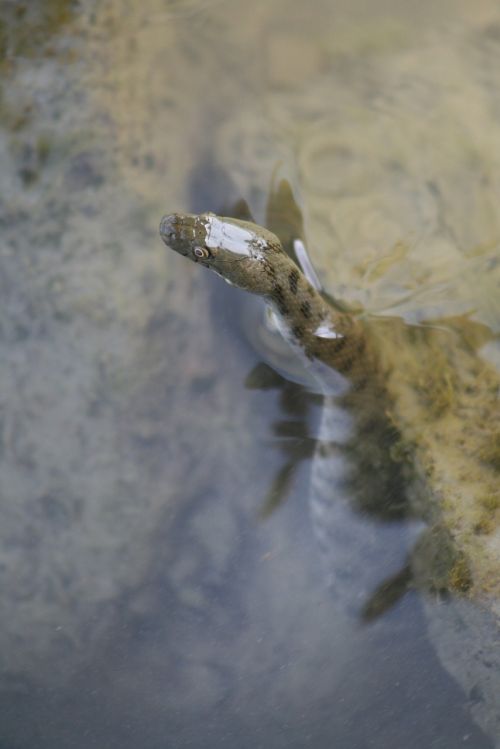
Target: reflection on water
x=165 y=581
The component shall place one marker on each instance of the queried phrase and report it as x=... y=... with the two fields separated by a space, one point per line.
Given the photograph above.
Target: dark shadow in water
x=291 y=433
x=376 y=484
x=293 y=439
x=211 y=189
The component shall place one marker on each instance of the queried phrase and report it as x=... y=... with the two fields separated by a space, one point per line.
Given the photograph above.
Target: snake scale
x=354 y=484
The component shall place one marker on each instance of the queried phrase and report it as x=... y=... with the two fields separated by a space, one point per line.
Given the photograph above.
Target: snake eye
x=201 y=252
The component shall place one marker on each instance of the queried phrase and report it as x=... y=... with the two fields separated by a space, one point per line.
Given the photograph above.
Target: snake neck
x=327 y=340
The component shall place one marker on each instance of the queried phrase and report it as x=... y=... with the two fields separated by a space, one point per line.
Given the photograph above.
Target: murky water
x=162 y=582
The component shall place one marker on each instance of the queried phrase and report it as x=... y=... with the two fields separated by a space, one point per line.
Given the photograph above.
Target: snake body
x=354 y=484
x=252 y=258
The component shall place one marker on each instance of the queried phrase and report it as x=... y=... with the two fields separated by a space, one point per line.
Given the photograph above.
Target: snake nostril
x=166 y=226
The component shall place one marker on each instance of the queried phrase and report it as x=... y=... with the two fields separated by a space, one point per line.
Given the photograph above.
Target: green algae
x=445 y=402
x=25 y=28
x=488 y=506
x=491 y=502
x=490 y=452
x=460 y=576
x=438 y=387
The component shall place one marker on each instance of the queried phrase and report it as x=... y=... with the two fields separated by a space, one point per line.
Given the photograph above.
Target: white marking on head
x=230 y=237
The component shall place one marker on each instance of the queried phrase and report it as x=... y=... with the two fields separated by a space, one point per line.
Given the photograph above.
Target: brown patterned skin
x=252 y=258
x=352 y=472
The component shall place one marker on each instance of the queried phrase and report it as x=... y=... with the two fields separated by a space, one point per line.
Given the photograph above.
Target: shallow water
x=156 y=592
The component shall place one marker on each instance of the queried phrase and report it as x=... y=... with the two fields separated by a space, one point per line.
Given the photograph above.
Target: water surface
x=150 y=595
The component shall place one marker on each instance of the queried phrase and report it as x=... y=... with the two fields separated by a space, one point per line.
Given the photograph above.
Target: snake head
x=240 y=252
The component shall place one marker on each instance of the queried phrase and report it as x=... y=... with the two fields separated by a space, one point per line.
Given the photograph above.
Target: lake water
x=158 y=591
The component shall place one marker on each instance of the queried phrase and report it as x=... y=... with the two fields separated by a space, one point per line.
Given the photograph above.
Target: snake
x=357 y=498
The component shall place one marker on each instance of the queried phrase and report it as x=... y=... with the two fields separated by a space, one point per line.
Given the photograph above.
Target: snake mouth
x=167 y=228
x=171 y=232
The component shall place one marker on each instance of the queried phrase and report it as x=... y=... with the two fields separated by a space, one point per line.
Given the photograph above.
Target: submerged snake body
x=353 y=483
